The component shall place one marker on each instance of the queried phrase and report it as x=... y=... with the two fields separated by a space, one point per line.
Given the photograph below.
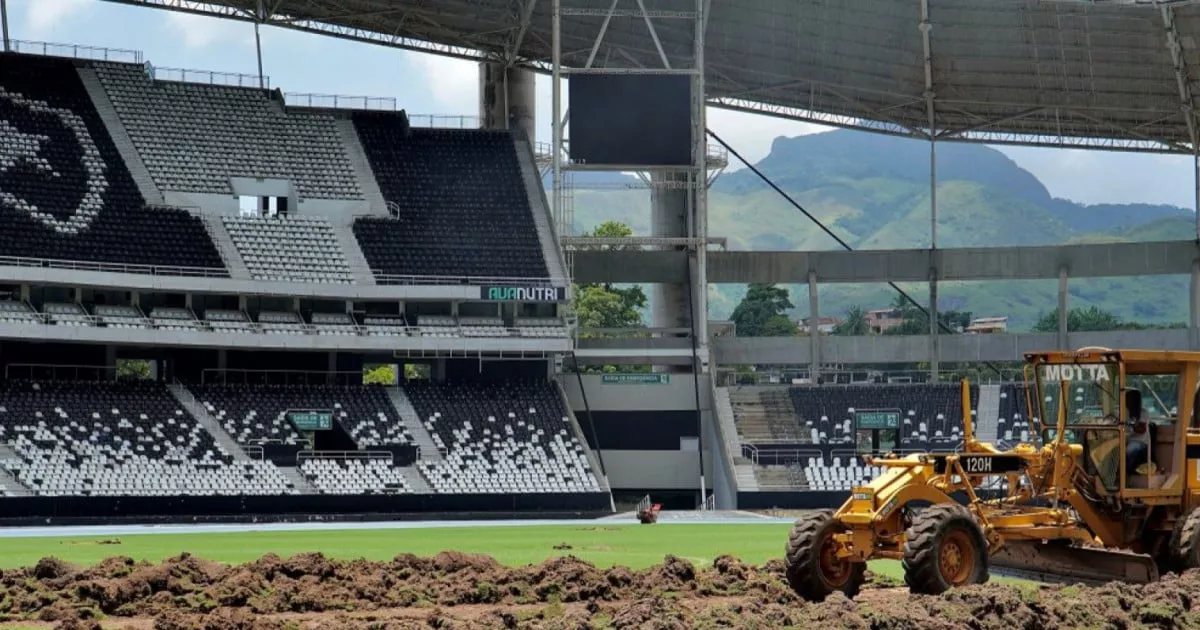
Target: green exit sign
x=877 y=419
x=311 y=420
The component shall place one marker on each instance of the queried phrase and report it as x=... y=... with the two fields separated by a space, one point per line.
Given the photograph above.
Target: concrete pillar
x=1063 y=308
x=934 y=350
x=814 y=333
x=1194 y=307
x=507 y=98
x=668 y=218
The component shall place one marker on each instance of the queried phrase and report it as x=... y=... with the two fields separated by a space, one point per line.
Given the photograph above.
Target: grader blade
x=1049 y=562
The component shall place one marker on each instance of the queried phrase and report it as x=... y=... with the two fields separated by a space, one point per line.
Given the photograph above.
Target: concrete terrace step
x=362 y=166
x=120 y=137
x=197 y=411
x=293 y=474
x=408 y=415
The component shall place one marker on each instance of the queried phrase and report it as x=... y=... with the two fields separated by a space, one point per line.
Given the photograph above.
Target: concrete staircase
x=743 y=468
x=541 y=209
x=360 y=269
x=225 y=247
x=408 y=415
x=10 y=484
x=197 y=411
x=766 y=414
x=415 y=480
x=293 y=474
x=116 y=130
x=988 y=414
x=362 y=167
x=593 y=460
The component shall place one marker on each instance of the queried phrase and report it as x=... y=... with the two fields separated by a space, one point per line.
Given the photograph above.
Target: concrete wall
x=954 y=348
x=184 y=284
x=662 y=469
x=973 y=263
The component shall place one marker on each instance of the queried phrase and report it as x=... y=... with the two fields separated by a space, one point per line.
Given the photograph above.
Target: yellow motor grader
x=1110 y=490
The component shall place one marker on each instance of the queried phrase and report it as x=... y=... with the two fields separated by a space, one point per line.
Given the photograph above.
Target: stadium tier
x=808 y=437
x=501 y=437
x=461 y=205
x=289 y=249
x=65 y=192
x=140 y=439
x=118 y=439
x=196 y=137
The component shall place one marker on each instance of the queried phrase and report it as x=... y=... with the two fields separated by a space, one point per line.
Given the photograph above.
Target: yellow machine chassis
x=1015 y=527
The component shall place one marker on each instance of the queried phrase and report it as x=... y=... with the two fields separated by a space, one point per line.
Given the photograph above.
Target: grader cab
x=1109 y=490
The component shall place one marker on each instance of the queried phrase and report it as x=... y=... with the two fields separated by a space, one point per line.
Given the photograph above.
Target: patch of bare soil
x=468 y=592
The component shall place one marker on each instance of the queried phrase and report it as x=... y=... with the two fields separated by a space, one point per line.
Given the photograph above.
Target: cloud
x=200 y=31
x=43 y=16
x=453 y=83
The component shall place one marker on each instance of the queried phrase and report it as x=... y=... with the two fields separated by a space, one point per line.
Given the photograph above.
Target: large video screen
x=634 y=119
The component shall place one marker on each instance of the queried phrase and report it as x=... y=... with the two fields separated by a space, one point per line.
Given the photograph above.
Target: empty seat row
x=289 y=249
x=67 y=194
x=195 y=137
x=500 y=437
x=462 y=209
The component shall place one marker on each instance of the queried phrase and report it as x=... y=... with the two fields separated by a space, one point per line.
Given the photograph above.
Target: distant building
x=988 y=325
x=825 y=325
x=883 y=319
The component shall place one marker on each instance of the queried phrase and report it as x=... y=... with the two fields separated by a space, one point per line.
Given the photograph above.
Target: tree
x=854 y=324
x=915 y=321
x=383 y=374
x=133 y=370
x=762 y=313
x=606 y=305
x=1088 y=319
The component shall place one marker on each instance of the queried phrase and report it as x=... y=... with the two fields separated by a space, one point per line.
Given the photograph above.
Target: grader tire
x=1185 y=543
x=944 y=548
x=813 y=571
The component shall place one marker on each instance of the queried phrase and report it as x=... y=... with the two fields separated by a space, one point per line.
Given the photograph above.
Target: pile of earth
x=461 y=591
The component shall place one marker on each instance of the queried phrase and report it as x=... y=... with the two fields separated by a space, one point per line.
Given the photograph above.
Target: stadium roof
x=1116 y=74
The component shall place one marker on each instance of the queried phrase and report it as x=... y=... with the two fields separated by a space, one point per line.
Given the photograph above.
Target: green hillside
x=873 y=192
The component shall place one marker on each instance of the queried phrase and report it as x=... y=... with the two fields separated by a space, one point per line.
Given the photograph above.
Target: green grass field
x=603 y=544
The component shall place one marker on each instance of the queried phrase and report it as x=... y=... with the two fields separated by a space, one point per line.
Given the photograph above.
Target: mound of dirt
x=455 y=590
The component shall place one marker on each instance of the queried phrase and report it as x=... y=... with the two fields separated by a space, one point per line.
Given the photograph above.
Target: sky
x=429 y=84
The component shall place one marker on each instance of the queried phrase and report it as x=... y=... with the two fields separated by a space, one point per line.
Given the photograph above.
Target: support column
x=507 y=98
x=934 y=350
x=259 y=16
x=1194 y=307
x=1062 y=309
x=4 y=24
x=933 y=288
x=1196 y=178
x=814 y=330
x=669 y=218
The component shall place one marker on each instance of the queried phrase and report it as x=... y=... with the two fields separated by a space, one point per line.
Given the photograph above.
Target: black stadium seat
x=65 y=192
x=463 y=207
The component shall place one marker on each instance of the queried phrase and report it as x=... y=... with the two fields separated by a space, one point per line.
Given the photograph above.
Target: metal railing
x=75 y=51
x=381 y=278
x=87 y=265
x=253 y=451
x=211 y=77
x=258 y=328
x=305 y=455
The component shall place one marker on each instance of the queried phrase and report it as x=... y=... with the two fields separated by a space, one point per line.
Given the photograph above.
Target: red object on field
x=649 y=516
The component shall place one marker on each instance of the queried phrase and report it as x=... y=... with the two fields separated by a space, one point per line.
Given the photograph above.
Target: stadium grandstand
x=383 y=239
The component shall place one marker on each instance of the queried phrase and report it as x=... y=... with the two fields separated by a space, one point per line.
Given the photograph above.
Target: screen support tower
x=679 y=193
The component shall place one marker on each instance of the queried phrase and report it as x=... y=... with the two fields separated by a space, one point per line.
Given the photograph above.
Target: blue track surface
x=680 y=518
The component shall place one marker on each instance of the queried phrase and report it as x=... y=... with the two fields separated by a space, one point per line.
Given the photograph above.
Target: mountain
x=873 y=192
